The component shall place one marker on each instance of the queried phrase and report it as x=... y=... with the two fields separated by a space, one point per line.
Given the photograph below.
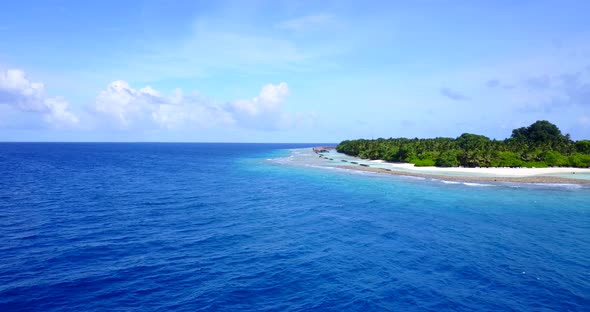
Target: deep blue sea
x=226 y=227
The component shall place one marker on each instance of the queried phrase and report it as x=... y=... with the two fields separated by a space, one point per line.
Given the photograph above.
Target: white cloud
x=269 y=100
x=146 y=107
x=126 y=104
x=190 y=111
x=266 y=111
x=25 y=104
x=130 y=107
x=59 y=114
x=23 y=95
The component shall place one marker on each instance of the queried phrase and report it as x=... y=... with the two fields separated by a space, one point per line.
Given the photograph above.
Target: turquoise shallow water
x=259 y=227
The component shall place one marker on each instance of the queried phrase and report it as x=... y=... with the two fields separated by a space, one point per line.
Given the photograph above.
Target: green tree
x=447 y=158
x=538 y=145
x=583 y=146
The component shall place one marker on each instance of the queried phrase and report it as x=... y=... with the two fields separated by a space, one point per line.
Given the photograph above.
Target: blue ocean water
x=224 y=227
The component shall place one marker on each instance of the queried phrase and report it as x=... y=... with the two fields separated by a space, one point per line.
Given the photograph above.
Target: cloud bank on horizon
x=24 y=96
x=124 y=107
x=294 y=72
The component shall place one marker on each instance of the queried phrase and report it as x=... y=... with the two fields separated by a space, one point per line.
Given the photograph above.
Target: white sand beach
x=498 y=172
x=520 y=175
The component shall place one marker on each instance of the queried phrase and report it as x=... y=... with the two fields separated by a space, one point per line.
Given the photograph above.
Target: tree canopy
x=539 y=145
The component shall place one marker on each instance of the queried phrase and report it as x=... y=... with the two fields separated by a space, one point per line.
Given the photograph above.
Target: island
x=539 y=153
x=539 y=145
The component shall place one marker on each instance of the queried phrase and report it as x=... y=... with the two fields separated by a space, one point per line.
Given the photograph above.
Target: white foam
x=412 y=177
x=449 y=182
x=476 y=184
x=561 y=185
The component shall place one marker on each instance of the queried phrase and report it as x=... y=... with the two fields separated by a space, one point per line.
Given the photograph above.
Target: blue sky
x=290 y=71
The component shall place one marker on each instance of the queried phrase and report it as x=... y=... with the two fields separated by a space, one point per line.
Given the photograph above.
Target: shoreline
x=460 y=174
x=500 y=179
x=518 y=172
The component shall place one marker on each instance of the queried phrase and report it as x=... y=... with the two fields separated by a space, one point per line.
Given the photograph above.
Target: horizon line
x=180 y=142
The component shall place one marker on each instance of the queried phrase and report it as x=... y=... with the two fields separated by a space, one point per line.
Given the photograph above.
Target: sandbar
x=511 y=179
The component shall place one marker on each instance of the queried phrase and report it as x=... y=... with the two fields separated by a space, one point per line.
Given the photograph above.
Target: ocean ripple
x=202 y=227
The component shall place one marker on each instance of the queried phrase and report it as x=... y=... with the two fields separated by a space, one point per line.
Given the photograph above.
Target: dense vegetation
x=540 y=145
